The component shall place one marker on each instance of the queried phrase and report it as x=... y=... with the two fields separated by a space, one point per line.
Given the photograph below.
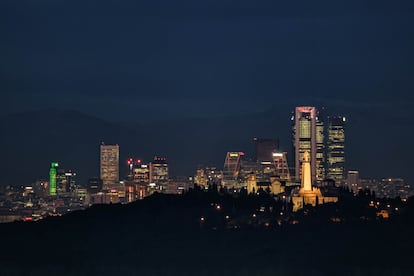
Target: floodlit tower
x=306 y=183
x=336 y=148
x=52 y=178
x=109 y=164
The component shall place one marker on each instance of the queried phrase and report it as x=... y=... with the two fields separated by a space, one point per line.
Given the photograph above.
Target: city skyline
x=191 y=64
x=246 y=145
x=231 y=137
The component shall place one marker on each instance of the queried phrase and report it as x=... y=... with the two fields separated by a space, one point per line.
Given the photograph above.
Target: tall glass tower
x=308 y=135
x=109 y=164
x=336 y=148
x=52 y=178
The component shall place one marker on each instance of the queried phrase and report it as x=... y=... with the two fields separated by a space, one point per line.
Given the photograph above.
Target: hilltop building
x=308 y=194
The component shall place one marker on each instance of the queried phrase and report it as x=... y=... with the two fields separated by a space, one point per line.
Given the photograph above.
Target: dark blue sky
x=179 y=59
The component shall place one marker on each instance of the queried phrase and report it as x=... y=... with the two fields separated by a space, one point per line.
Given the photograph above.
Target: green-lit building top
x=52 y=178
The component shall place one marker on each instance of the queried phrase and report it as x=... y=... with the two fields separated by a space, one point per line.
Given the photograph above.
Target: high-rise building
x=264 y=148
x=231 y=169
x=308 y=135
x=141 y=174
x=109 y=164
x=336 y=148
x=52 y=178
x=281 y=166
x=320 y=150
x=158 y=173
x=353 y=181
x=65 y=181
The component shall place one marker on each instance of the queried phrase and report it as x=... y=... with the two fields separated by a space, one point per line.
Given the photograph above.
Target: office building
x=281 y=166
x=65 y=181
x=308 y=135
x=52 y=178
x=109 y=165
x=231 y=169
x=320 y=150
x=353 y=181
x=141 y=174
x=158 y=173
x=336 y=149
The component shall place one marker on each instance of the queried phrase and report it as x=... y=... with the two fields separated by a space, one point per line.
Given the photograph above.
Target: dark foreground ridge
x=208 y=234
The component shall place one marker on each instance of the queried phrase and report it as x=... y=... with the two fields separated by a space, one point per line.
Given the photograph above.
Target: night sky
x=129 y=60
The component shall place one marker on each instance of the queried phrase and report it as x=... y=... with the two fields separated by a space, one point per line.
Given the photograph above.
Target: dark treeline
x=209 y=233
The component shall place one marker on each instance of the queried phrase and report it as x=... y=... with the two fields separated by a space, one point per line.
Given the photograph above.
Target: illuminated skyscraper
x=353 y=181
x=109 y=164
x=281 y=165
x=65 y=181
x=231 y=169
x=141 y=174
x=320 y=150
x=308 y=135
x=52 y=178
x=336 y=148
x=158 y=173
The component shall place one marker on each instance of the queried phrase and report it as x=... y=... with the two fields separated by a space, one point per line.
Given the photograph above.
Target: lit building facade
x=387 y=187
x=65 y=181
x=308 y=135
x=336 y=148
x=320 y=150
x=158 y=173
x=208 y=176
x=281 y=166
x=141 y=174
x=52 y=178
x=231 y=169
x=109 y=164
x=353 y=181
x=200 y=179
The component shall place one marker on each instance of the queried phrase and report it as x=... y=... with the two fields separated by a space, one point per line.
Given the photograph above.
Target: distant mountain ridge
x=34 y=139
x=31 y=140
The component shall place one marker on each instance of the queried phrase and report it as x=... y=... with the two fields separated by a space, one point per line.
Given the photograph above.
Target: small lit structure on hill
x=308 y=194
